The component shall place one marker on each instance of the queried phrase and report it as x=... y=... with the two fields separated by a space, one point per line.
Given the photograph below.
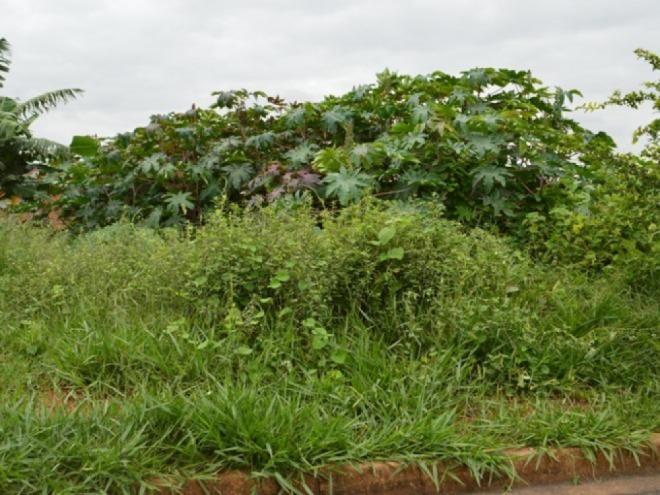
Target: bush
x=492 y=143
x=613 y=220
x=365 y=254
x=278 y=281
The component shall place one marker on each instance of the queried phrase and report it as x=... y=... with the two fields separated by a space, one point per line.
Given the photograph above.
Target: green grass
x=263 y=342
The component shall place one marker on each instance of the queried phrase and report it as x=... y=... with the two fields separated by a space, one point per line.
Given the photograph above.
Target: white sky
x=135 y=58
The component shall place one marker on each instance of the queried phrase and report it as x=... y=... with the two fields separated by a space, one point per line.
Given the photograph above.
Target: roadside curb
x=392 y=478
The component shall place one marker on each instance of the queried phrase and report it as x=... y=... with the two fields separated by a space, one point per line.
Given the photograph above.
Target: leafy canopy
x=491 y=144
x=20 y=151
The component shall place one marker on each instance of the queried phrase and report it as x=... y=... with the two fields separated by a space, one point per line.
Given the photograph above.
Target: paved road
x=633 y=485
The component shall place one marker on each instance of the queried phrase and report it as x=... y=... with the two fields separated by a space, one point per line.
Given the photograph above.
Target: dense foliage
x=384 y=264
x=262 y=342
x=20 y=151
x=491 y=144
x=282 y=317
x=612 y=213
x=494 y=146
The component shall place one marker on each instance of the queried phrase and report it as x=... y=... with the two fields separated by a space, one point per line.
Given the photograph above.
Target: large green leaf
x=301 y=154
x=152 y=163
x=499 y=204
x=238 y=174
x=261 y=141
x=421 y=114
x=367 y=154
x=488 y=176
x=333 y=118
x=392 y=254
x=179 y=201
x=347 y=185
x=85 y=146
x=386 y=235
x=482 y=144
x=46 y=102
x=330 y=159
x=295 y=118
x=8 y=107
x=415 y=177
x=5 y=52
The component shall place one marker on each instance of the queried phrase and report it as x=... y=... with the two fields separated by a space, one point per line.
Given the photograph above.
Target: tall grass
x=280 y=343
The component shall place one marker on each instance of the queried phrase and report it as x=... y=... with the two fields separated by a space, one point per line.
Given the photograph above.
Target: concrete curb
x=391 y=478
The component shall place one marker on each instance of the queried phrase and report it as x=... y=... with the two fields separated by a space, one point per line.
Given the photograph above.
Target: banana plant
x=20 y=151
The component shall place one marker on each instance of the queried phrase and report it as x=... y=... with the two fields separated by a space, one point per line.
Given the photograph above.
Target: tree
x=19 y=149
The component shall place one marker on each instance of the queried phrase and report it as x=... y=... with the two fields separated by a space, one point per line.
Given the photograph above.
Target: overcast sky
x=135 y=58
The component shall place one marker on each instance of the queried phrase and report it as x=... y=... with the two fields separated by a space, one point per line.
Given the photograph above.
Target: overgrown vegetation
x=262 y=341
x=233 y=292
x=20 y=151
x=493 y=144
